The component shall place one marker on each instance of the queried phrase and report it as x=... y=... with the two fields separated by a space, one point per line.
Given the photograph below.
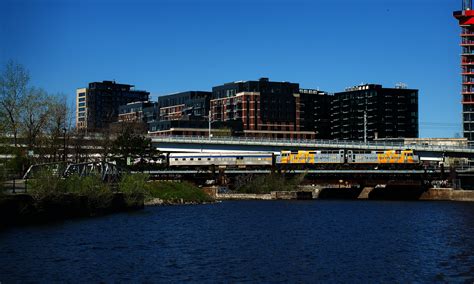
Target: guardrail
x=371 y=145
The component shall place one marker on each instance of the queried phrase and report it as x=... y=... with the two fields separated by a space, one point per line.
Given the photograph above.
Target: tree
x=35 y=114
x=133 y=145
x=59 y=125
x=13 y=86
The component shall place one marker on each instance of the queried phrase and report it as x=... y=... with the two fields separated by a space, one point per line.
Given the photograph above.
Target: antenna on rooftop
x=467 y=4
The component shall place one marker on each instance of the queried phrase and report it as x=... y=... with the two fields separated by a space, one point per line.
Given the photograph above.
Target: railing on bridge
x=107 y=171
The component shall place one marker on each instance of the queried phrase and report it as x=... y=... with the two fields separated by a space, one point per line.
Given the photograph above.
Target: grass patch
x=176 y=191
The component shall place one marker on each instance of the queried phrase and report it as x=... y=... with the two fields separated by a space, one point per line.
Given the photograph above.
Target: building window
x=82 y=104
x=82 y=109
x=82 y=99
x=82 y=94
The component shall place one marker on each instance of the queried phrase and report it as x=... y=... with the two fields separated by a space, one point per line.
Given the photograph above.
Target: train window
x=192 y=159
x=176 y=159
x=184 y=159
x=208 y=159
x=199 y=159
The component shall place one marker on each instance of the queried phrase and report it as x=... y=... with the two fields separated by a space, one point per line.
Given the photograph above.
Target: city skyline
x=168 y=47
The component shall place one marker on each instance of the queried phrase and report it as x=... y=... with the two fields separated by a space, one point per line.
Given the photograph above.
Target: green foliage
x=174 y=191
x=134 y=187
x=267 y=183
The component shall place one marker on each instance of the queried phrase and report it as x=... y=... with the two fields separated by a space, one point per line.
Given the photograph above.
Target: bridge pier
x=364 y=194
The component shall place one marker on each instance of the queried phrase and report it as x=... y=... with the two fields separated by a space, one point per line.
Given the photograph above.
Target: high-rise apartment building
x=466 y=22
x=259 y=108
x=98 y=105
x=135 y=112
x=370 y=111
x=191 y=105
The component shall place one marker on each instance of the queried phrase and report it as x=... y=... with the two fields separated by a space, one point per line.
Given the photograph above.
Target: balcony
x=467 y=42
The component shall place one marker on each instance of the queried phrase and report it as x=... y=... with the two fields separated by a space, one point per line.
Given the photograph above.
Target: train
x=293 y=159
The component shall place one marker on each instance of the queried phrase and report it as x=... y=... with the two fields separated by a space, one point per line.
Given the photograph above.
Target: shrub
x=97 y=192
x=134 y=188
x=46 y=185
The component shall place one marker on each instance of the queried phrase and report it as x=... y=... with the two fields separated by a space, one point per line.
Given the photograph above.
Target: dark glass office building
x=315 y=112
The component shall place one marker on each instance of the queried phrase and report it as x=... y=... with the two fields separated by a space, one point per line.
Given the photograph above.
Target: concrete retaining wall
x=243 y=196
x=447 y=194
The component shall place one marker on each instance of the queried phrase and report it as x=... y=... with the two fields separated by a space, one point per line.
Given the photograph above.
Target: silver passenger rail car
x=240 y=160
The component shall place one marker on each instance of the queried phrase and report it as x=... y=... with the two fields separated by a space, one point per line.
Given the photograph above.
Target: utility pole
x=365 y=126
x=210 y=121
x=467 y=5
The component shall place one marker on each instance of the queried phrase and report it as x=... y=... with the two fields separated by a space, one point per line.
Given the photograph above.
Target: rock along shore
x=161 y=202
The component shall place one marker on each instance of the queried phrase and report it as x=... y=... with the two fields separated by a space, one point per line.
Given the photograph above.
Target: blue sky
x=171 y=46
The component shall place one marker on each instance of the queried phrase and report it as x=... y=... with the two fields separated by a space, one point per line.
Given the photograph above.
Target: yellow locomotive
x=350 y=157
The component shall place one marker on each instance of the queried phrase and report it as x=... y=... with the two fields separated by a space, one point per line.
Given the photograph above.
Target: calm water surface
x=272 y=241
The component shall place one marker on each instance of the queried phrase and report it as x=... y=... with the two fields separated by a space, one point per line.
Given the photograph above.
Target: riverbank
x=19 y=209
x=366 y=193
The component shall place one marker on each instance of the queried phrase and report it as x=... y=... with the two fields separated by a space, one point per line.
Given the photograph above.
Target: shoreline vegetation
x=51 y=198
x=267 y=183
x=163 y=192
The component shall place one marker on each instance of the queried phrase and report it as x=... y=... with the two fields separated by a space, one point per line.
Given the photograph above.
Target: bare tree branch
x=13 y=85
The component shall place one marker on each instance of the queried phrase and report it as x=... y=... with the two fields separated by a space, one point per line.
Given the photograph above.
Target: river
x=256 y=241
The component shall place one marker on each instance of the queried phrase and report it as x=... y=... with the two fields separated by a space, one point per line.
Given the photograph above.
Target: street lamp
x=210 y=122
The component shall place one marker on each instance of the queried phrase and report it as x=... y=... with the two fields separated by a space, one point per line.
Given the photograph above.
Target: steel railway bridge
x=197 y=144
